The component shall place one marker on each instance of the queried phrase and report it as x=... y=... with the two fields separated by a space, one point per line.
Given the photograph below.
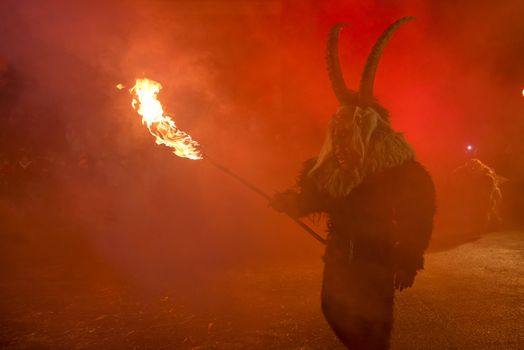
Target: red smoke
x=248 y=79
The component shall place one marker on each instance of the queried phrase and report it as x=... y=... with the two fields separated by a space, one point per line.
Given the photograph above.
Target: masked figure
x=380 y=204
x=477 y=197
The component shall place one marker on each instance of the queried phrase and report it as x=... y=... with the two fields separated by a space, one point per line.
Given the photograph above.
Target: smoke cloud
x=247 y=79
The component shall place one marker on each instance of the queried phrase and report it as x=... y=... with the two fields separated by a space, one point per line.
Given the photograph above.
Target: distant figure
x=476 y=197
x=380 y=204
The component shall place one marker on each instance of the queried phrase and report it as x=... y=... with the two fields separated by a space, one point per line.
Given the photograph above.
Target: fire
x=161 y=126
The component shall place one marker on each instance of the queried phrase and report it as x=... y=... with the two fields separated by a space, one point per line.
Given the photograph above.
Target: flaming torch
x=165 y=132
x=161 y=126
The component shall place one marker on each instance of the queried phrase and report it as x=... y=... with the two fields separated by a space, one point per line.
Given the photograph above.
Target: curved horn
x=344 y=95
x=368 y=76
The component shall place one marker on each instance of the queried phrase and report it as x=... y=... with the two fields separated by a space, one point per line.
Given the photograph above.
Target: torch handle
x=261 y=193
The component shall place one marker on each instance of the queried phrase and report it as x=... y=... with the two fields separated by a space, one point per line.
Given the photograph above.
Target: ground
x=469 y=296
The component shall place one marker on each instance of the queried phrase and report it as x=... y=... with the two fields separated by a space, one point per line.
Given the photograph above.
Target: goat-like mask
x=351 y=129
x=359 y=119
x=358 y=112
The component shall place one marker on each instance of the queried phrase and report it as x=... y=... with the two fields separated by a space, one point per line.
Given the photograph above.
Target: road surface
x=469 y=297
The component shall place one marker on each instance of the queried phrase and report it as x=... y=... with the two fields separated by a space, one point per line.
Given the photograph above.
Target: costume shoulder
x=414 y=169
x=413 y=177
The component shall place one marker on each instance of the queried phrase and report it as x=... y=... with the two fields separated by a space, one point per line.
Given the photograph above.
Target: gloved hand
x=404 y=279
x=285 y=202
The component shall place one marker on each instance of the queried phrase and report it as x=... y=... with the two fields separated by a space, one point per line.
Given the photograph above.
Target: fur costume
x=477 y=197
x=380 y=204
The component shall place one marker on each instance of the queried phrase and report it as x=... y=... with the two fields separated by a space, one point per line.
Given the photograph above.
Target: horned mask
x=360 y=139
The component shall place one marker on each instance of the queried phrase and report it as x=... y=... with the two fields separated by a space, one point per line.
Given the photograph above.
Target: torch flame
x=161 y=126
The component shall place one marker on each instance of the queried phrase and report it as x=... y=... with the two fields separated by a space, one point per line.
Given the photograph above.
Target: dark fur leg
x=357 y=302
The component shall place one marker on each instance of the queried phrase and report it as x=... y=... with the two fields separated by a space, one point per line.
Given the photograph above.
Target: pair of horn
x=364 y=96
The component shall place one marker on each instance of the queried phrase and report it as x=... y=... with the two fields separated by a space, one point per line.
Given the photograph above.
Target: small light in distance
x=470 y=149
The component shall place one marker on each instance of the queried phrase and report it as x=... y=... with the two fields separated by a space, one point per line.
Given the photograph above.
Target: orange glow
x=161 y=126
